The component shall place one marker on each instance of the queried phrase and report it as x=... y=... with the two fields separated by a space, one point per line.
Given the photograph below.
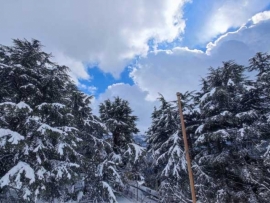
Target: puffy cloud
x=109 y=33
x=180 y=69
x=168 y=72
x=213 y=18
x=77 y=68
x=92 y=89
x=88 y=89
x=254 y=37
x=136 y=98
x=261 y=17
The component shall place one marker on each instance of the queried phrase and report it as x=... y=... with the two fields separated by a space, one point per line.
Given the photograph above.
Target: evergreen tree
x=259 y=130
x=226 y=161
x=166 y=145
x=126 y=155
x=117 y=117
x=35 y=109
x=101 y=177
x=121 y=124
x=261 y=88
x=50 y=140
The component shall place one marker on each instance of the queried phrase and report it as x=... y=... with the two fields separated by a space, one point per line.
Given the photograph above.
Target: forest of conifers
x=53 y=148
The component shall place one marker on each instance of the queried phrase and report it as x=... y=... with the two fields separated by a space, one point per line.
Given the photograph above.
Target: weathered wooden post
x=137 y=188
x=190 y=174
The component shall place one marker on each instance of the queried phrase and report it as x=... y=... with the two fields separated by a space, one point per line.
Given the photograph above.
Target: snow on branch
x=199 y=129
x=112 y=197
x=17 y=171
x=56 y=105
x=44 y=127
x=134 y=149
x=20 y=105
x=62 y=168
x=14 y=136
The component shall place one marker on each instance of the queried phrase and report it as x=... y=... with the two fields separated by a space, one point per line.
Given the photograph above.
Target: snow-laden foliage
x=13 y=137
x=118 y=118
x=121 y=124
x=134 y=152
x=112 y=197
x=49 y=139
x=227 y=162
x=166 y=147
x=35 y=113
x=228 y=125
x=53 y=149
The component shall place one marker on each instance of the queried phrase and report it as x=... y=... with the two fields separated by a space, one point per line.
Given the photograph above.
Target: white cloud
x=180 y=69
x=254 y=37
x=77 y=69
x=261 y=17
x=168 y=73
x=136 y=98
x=109 y=33
x=88 y=89
x=92 y=89
x=219 y=16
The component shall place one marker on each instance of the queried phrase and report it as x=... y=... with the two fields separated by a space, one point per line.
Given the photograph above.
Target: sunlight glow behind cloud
x=109 y=33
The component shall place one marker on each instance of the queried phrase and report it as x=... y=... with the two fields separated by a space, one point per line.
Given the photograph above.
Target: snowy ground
x=134 y=200
x=135 y=195
x=124 y=200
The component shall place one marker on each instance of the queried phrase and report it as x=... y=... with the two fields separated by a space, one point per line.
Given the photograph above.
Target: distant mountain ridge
x=140 y=140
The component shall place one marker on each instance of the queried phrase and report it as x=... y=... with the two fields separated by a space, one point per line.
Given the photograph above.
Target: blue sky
x=140 y=48
x=102 y=80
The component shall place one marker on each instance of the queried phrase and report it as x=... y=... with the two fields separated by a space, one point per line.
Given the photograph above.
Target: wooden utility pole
x=190 y=174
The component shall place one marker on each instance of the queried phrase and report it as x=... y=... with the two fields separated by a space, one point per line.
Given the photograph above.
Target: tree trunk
x=116 y=142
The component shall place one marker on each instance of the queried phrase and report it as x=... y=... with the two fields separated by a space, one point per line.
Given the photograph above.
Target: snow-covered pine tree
x=34 y=111
x=261 y=88
x=192 y=118
x=121 y=124
x=43 y=121
x=117 y=117
x=166 y=146
x=226 y=163
x=150 y=170
x=259 y=130
x=100 y=176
